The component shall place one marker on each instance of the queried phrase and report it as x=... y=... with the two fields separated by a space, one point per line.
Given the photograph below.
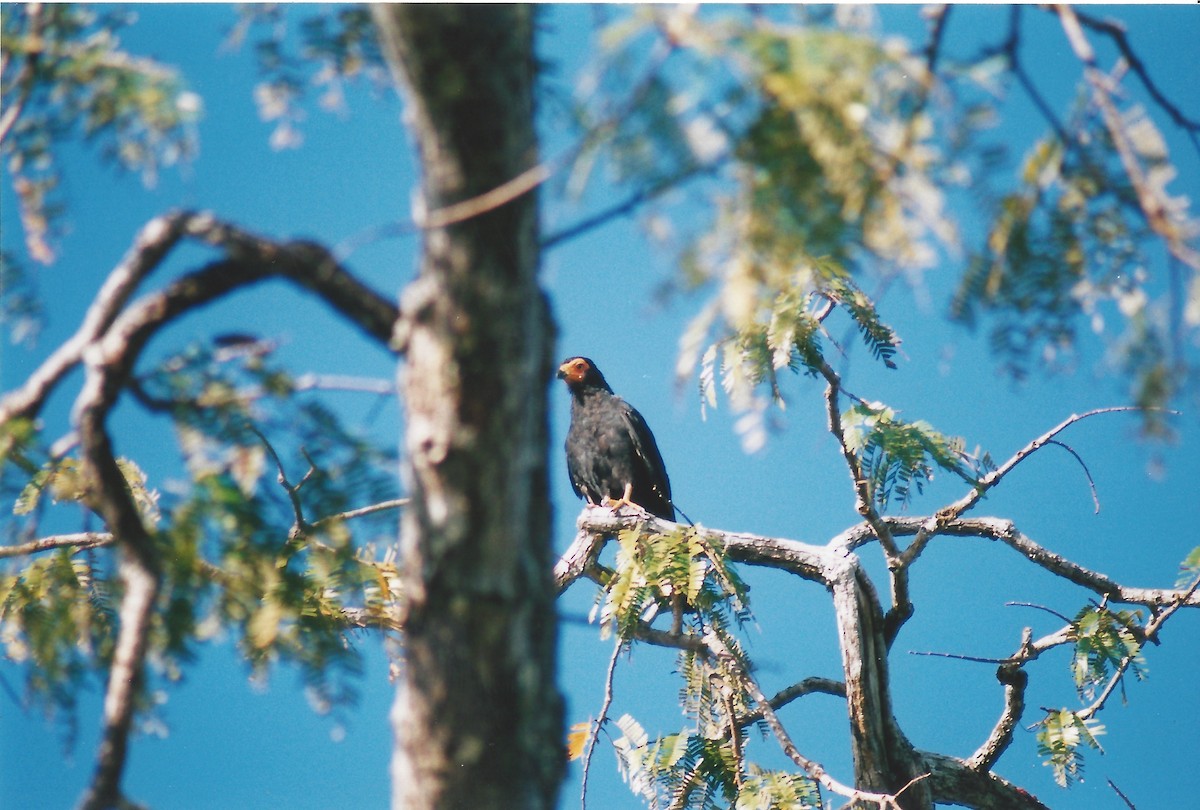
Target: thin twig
x=1119 y=792
x=600 y=720
x=958 y=657
x=1035 y=606
x=630 y=203
x=1150 y=204
x=300 y=525
x=1119 y=36
x=351 y=514
x=527 y=180
x=992 y=479
x=1086 y=471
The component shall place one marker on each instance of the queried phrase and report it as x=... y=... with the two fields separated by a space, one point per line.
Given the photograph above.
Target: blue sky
x=235 y=744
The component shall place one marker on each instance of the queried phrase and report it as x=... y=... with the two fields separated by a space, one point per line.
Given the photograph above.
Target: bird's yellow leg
x=624 y=500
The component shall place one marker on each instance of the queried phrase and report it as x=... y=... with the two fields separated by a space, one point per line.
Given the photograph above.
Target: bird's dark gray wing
x=649 y=456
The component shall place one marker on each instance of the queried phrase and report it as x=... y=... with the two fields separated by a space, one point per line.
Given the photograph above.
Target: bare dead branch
x=1118 y=791
x=1014 y=680
x=783 y=697
x=577 y=558
x=992 y=479
x=78 y=540
x=351 y=514
x=952 y=782
x=1051 y=611
x=150 y=246
x=601 y=718
x=1006 y=532
x=806 y=561
x=251 y=259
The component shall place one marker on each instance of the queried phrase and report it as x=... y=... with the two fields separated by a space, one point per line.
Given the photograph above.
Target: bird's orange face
x=574 y=370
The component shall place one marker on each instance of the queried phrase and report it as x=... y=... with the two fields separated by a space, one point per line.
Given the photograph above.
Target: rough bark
x=884 y=759
x=477 y=718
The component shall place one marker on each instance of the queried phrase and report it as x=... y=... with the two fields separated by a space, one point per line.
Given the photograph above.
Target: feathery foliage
x=899 y=457
x=1061 y=735
x=1104 y=641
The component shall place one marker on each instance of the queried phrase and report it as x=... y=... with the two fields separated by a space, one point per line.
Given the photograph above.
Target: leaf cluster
x=1106 y=645
x=899 y=457
x=1061 y=734
x=702 y=766
x=833 y=143
x=270 y=563
x=68 y=76
x=678 y=571
x=1105 y=641
x=1073 y=242
x=323 y=51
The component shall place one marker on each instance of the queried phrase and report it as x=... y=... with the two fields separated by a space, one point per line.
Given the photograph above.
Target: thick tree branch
x=150 y=246
x=597 y=523
x=250 y=259
x=783 y=697
x=1014 y=679
x=578 y=558
x=108 y=344
x=952 y=782
x=139 y=569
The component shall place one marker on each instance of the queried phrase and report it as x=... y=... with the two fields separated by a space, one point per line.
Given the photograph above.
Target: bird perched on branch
x=612 y=457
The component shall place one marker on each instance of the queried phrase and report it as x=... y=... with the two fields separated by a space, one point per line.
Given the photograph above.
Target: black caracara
x=611 y=455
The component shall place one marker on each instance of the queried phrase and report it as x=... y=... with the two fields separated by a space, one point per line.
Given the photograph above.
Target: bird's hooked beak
x=573 y=371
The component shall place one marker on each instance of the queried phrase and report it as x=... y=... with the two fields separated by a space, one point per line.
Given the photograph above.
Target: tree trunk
x=477 y=718
x=884 y=759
